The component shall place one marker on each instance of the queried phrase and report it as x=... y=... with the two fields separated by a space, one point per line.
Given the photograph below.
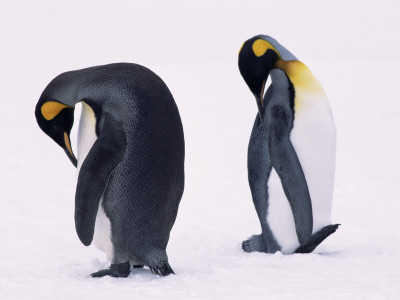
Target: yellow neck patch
x=304 y=82
x=300 y=76
x=51 y=109
x=261 y=46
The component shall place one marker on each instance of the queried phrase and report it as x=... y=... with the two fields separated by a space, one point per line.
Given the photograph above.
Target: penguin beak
x=260 y=99
x=68 y=149
x=262 y=94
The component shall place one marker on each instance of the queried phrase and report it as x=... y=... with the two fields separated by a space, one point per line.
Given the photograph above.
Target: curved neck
x=284 y=53
x=299 y=75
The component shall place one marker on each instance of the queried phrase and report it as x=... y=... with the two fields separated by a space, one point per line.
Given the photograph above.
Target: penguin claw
x=115 y=270
x=101 y=273
x=154 y=271
x=254 y=244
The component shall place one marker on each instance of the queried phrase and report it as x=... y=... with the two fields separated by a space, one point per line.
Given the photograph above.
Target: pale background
x=352 y=47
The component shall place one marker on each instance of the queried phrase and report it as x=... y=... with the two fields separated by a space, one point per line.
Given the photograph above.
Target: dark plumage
x=136 y=163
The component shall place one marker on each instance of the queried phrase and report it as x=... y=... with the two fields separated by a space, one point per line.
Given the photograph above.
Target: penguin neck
x=299 y=75
x=283 y=52
x=279 y=87
x=65 y=88
x=279 y=79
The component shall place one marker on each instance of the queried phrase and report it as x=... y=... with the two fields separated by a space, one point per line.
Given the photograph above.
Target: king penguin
x=291 y=154
x=130 y=160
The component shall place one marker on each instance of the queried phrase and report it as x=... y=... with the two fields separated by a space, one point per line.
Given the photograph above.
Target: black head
x=56 y=120
x=256 y=59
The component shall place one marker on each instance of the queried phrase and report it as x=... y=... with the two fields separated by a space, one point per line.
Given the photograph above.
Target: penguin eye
x=261 y=46
x=51 y=109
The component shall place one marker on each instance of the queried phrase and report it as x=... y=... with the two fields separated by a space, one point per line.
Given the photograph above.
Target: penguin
x=291 y=153
x=130 y=160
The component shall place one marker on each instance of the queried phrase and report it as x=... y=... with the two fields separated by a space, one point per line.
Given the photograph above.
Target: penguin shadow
x=142 y=272
x=135 y=271
x=329 y=253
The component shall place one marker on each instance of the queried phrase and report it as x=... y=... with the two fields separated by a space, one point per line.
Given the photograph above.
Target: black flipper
x=163 y=269
x=254 y=244
x=115 y=270
x=286 y=163
x=317 y=238
x=105 y=154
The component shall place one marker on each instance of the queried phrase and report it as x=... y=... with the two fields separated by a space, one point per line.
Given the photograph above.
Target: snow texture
x=351 y=46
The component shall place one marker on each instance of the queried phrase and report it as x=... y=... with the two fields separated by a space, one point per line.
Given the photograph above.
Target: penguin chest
x=313 y=137
x=86 y=138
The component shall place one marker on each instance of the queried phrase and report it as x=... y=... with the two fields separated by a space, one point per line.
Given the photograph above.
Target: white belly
x=86 y=138
x=314 y=138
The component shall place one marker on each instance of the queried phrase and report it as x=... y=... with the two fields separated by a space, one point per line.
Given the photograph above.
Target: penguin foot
x=254 y=244
x=115 y=270
x=317 y=238
x=164 y=269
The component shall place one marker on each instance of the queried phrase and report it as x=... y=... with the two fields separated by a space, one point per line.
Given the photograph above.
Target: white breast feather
x=314 y=138
x=86 y=138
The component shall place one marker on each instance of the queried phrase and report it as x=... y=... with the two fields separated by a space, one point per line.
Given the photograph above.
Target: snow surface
x=352 y=47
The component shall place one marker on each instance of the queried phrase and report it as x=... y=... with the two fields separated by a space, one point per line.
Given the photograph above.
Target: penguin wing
x=104 y=156
x=286 y=163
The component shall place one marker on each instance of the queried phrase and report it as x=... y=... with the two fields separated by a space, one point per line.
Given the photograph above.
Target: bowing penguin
x=130 y=160
x=291 y=154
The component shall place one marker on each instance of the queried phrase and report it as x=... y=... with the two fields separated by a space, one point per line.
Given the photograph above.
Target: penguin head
x=56 y=120
x=257 y=57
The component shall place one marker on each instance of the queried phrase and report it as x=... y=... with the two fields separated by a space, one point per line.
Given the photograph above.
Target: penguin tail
x=317 y=238
x=162 y=269
x=254 y=244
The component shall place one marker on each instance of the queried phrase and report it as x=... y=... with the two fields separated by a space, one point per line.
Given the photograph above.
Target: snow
x=351 y=47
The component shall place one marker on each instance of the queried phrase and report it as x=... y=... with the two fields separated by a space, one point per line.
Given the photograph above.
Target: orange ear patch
x=261 y=46
x=51 y=109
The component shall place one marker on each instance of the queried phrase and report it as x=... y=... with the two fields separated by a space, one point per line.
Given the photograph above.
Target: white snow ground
x=351 y=46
